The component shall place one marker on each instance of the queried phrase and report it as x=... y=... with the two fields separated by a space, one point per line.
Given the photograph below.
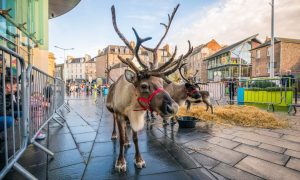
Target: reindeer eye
x=144 y=86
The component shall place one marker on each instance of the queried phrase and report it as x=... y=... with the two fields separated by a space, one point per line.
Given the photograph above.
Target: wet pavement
x=84 y=150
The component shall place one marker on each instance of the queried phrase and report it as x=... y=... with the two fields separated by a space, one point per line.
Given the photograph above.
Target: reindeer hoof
x=120 y=166
x=114 y=137
x=140 y=164
x=127 y=144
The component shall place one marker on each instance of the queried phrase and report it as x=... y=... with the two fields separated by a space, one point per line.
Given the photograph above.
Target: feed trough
x=187 y=121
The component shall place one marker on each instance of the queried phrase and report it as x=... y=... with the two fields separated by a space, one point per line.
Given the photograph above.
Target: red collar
x=191 y=93
x=147 y=101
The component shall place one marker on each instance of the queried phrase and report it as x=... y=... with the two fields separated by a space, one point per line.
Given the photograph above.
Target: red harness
x=192 y=92
x=147 y=101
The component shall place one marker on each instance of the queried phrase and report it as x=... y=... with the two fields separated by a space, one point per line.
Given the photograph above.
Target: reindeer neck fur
x=124 y=101
x=177 y=92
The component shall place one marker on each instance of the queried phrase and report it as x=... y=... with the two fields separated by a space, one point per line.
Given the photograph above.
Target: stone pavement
x=83 y=150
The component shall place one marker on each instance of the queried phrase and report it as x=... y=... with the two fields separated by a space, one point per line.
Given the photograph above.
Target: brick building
x=195 y=60
x=286 y=58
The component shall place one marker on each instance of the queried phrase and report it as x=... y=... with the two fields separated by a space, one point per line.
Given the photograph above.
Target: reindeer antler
x=135 y=50
x=167 y=27
x=166 y=69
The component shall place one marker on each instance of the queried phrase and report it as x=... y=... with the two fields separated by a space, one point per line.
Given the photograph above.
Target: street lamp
x=64 y=49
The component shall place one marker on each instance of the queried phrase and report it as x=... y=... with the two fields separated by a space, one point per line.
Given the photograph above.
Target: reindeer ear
x=130 y=76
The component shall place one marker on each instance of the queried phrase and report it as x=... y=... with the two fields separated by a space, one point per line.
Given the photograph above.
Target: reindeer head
x=148 y=81
x=192 y=88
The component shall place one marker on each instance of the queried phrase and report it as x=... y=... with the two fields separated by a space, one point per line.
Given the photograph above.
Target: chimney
x=267 y=39
x=167 y=48
x=132 y=44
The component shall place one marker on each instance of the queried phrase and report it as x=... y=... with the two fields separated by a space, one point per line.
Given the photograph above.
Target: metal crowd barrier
x=30 y=98
x=46 y=97
x=14 y=112
x=272 y=92
x=216 y=90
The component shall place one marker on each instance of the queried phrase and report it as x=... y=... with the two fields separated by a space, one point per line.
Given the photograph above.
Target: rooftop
x=277 y=39
x=232 y=46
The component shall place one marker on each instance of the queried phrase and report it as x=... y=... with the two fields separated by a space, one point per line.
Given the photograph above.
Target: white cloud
x=229 y=21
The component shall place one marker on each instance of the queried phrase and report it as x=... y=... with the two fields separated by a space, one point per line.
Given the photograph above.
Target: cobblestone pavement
x=83 y=150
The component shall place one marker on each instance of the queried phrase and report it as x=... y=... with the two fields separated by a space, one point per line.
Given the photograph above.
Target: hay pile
x=247 y=116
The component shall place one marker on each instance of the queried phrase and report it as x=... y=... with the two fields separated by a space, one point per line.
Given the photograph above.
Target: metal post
x=272 y=42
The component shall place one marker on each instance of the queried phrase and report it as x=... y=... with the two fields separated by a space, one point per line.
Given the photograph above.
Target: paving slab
x=295 y=154
x=216 y=152
x=85 y=149
x=267 y=170
x=66 y=173
x=201 y=173
x=223 y=142
x=263 y=154
x=81 y=129
x=61 y=142
x=65 y=158
x=291 y=138
x=233 y=173
x=177 y=175
x=294 y=163
x=269 y=140
x=156 y=162
x=85 y=137
x=268 y=133
x=272 y=148
x=246 y=141
x=205 y=161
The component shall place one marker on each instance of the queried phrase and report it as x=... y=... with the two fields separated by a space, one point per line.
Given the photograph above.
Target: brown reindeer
x=180 y=92
x=205 y=98
x=137 y=91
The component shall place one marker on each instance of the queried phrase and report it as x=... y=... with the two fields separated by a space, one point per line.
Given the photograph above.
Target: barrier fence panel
x=44 y=101
x=296 y=89
x=13 y=112
x=216 y=90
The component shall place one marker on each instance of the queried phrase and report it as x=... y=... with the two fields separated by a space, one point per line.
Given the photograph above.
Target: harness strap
x=192 y=92
x=147 y=101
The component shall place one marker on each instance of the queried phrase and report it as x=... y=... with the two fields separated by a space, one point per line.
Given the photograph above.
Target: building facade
x=233 y=61
x=195 y=60
x=59 y=71
x=51 y=64
x=75 y=69
x=108 y=57
x=24 y=27
x=286 y=58
x=90 y=69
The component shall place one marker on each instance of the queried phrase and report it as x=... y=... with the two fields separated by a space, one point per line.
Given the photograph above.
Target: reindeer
x=205 y=98
x=139 y=90
x=179 y=92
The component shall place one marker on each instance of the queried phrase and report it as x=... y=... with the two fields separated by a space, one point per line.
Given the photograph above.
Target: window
x=257 y=54
x=269 y=51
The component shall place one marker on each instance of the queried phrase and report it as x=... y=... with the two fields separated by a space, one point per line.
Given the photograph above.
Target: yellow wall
x=51 y=64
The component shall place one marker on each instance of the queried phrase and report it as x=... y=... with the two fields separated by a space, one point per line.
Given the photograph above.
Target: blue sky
x=88 y=27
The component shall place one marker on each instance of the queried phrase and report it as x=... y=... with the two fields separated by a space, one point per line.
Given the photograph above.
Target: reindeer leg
x=138 y=160
x=165 y=122
x=114 y=133
x=120 y=165
x=173 y=122
x=153 y=118
x=188 y=105
x=127 y=142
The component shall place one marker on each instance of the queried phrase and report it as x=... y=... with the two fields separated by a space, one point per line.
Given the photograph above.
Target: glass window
x=269 y=51
x=257 y=54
